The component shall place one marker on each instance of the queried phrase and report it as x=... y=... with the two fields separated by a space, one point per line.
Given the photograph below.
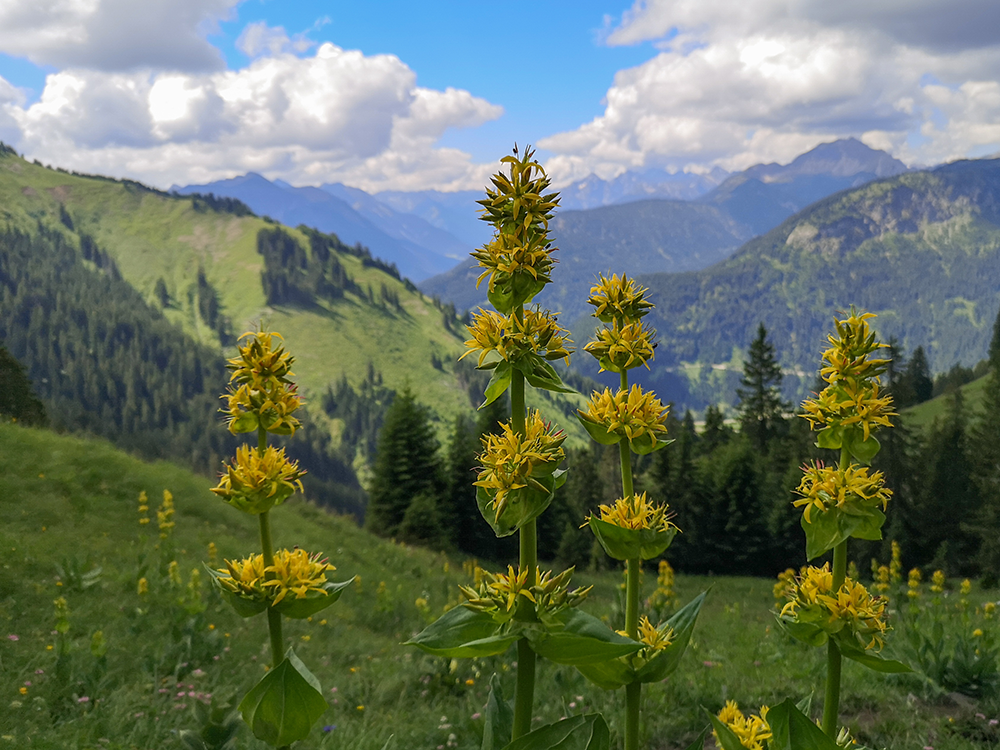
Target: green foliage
x=283 y=706
x=17 y=400
x=760 y=403
x=588 y=732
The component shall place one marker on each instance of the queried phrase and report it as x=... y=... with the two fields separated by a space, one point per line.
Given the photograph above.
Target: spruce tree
x=761 y=406
x=984 y=443
x=715 y=432
x=406 y=465
x=918 y=376
x=17 y=401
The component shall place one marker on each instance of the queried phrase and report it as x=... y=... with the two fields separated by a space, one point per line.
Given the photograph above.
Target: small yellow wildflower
x=664 y=596
x=896 y=563
x=637 y=512
x=989 y=609
x=512 y=462
x=174 y=573
x=785 y=587
x=623 y=346
x=165 y=515
x=913 y=584
x=635 y=415
x=254 y=483
x=653 y=638
x=848 y=488
x=882 y=580
x=966 y=588
x=977 y=633
x=752 y=731
x=22 y=690
x=142 y=587
x=618 y=299
x=143 y=508
x=937 y=581
x=213 y=553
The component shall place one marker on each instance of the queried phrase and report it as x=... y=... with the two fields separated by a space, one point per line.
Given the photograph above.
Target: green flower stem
x=267 y=551
x=633 y=695
x=831 y=702
x=524 y=695
x=633 y=691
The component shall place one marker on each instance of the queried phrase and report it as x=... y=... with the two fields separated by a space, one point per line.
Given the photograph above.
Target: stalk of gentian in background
x=635 y=421
x=283 y=706
x=826 y=606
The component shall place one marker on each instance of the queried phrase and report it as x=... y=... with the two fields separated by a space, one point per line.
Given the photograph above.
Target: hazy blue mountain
x=922 y=250
x=638 y=184
x=764 y=195
x=328 y=213
x=456 y=212
x=634 y=238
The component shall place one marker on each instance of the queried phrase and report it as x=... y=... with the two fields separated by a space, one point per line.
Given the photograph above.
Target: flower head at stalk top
x=849 y=488
x=513 y=338
x=618 y=299
x=637 y=512
x=851 y=607
x=847 y=358
x=631 y=414
x=498 y=593
x=752 y=731
x=937 y=581
x=255 y=483
x=862 y=404
x=260 y=391
x=511 y=461
x=623 y=346
x=652 y=637
x=165 y=515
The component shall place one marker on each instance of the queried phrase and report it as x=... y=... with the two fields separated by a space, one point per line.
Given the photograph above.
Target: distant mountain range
x=652 y=236
x=921 y=250
x=417 y=248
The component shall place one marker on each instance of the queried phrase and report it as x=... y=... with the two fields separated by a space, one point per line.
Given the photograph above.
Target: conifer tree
x=17 y=401
x=761 y=406
x=406 y=464
x=984 y=443
x=918 y=376
x=715 y=432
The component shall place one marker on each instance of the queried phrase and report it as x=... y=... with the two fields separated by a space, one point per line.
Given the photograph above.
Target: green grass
x=72 y=503
x=922 y=416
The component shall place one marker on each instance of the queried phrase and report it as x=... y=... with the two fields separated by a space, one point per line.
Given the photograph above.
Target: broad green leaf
x=861 y=449
x=245 y=422
x=724 y=736
x=597 y=431
x=498 y=383
x=523 y=505
x=499 y=717
x=541 y=374
x=829 y=528
x=808 y=633
x=313 y=602
x=699 y=743
x=608 y=675
x=871 y=660
x=793 y=730
x=666 y=661
x=647 y=444
x=581 y=639
x=587 y=732
x=462 y=632
x=243 y=607
x=501 y=298
x=282 y=707
x=830 y=438
x=629 y=544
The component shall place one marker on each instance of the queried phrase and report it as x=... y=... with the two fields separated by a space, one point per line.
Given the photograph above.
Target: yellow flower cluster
x=937 y=582
x=623 y=346
x=520 y=210
x=618 y=299
x=637 y=512
x=825 y=487
x=913 y=584
x=165 y=515
x=498 y=593
x=143 y=508
x=664 y=596
x=896 y=563
x=294 y=572
x=813 y=600
x=653 y=638
x=752 y=731
x=260 y=391
x=513 y=337
x=882 y=580
x=631 y=414
x=784 y=587
x=853 y=396
x=512 y=462
x=255 y=483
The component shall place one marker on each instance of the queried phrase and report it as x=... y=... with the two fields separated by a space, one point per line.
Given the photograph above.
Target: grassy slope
x=923 y=415
x=71 y=499
x=154 y=236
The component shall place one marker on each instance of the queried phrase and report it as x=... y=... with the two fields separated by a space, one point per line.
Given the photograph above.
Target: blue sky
x=403 y=95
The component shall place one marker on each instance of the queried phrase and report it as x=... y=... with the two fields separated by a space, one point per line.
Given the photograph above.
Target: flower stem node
x=633 y=528
x=634 y=415
x=618 y=299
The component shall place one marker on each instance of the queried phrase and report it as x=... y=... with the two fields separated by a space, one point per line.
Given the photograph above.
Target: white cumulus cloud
x=735 y=84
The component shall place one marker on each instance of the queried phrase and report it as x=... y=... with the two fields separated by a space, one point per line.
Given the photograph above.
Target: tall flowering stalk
x=262 y=399
x=824 y=605
x=634 y=528
x=519 y=467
